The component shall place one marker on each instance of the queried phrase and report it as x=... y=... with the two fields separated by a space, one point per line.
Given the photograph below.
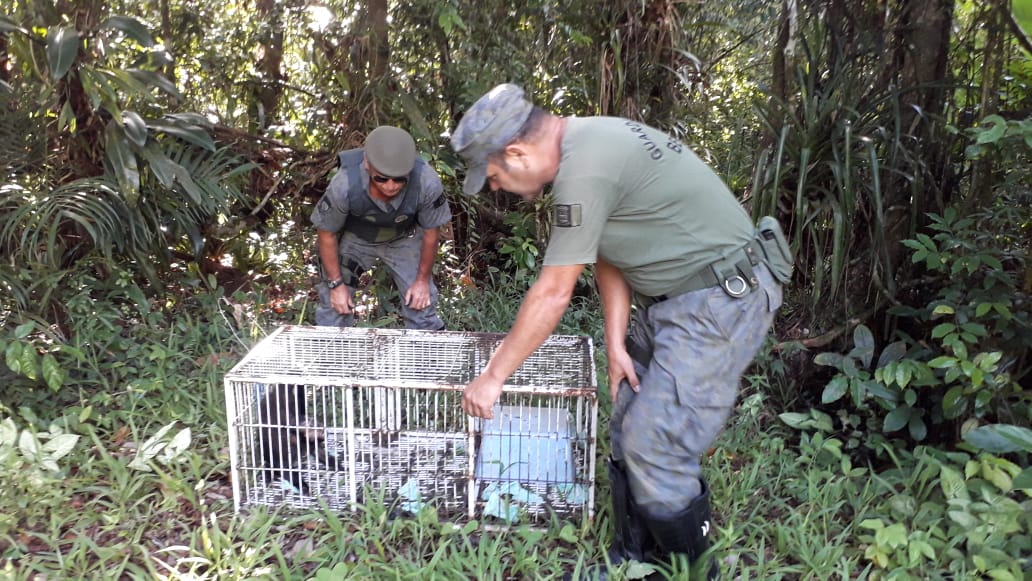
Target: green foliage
x=521 y=247
x=30 y=471
x=952 y=512
x=827 y=160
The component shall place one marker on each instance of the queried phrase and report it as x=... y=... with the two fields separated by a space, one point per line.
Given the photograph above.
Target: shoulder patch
x=566 y=215
x=324 y=206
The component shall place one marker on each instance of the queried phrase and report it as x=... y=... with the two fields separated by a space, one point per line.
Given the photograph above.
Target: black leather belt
x=733 y=273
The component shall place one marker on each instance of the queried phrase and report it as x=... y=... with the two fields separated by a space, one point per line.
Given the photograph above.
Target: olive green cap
x=391 y=151
x=486 y=128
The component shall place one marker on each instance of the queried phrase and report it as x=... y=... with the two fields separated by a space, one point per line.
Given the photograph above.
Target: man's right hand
x=340 y=299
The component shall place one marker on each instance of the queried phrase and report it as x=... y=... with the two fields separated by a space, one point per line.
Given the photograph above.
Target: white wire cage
x=328 y=416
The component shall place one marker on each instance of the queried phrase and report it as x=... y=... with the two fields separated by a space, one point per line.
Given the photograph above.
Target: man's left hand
x=480 y=396
x=418 y=295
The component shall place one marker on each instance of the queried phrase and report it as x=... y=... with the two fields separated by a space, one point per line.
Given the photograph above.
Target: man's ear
x=515 y=150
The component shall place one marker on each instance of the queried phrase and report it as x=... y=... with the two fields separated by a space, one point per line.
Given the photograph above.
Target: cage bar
x=323 y=415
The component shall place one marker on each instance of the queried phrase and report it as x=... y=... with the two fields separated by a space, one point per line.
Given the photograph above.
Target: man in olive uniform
x=384 y=205
x=662 y=228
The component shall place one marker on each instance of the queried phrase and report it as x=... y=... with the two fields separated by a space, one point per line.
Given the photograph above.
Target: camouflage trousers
x=701 y=343
x=400 y=258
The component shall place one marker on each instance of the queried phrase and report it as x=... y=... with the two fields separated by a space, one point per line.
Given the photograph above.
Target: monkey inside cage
x=321 y=416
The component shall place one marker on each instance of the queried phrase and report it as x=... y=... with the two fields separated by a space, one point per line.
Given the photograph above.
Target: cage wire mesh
x=321 y=415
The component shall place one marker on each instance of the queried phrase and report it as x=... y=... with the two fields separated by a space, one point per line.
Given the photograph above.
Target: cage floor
x=410 y=470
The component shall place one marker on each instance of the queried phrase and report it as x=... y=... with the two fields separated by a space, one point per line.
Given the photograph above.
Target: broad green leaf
x=53 y=375
x=190 y=134
x=12 y=356
x=22 y=331
x=8 y=26
x=123 y=162
x=822 y=421
x=1000 y=438
x=1023 y=480
x=952 y=483
x=897 y=418
x=829 y=359
x=872 y=524
x=835 y=389
x=893 y=352
x=903 y=375
x=155 y=80
x=179 y=443
x=135 y=128
x=997 y=126
x=29 y=446
x=997 y=477
x=150 y=449
x=943 y=362
x=795 y=420
x=29 y=362
x=66 y=119
x=8 y=432
x=943 y=329
x=917 y=427
x=569 y=533
x=160 y=165
x=131 y=27
x=62 y=50
x=928 y=243
x=863 y=341
x=60 y=445
x=943 y=310
x=894 y=535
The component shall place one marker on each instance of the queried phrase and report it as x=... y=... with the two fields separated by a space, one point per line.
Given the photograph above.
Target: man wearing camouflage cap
x=662 y=229
x=384 y=206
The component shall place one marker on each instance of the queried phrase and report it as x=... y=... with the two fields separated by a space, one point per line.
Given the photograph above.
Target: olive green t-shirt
x=643 y=202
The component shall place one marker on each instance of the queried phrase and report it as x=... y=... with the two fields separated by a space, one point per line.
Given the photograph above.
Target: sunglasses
x=381 y=179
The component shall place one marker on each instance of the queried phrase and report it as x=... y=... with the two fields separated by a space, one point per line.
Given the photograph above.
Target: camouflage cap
x=486 y=128
x=391 y=151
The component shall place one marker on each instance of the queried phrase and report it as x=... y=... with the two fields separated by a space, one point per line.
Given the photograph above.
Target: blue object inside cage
x=526 y=444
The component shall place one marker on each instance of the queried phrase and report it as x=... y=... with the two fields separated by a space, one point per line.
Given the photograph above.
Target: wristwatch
x=332 y=284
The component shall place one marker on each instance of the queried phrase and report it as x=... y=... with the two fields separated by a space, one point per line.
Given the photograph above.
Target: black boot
x=631 y=538
x=686 y=534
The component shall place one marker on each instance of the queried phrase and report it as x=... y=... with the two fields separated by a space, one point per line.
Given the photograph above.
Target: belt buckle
x=736 y=280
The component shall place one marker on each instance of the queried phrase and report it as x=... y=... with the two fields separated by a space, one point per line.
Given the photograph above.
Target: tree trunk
x=380 y=50
x=268 y=86
x=922 y=49
x=993 y=57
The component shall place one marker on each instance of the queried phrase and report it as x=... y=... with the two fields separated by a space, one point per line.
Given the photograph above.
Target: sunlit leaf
x=131 y=27
x=123 y=162
x=177 y=445
x=62 y=50
x=29 y=446
x=60 y=445
x=135 y=127
x=191 y=134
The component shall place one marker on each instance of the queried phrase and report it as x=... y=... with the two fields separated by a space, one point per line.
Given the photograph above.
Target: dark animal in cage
x=290 y=446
